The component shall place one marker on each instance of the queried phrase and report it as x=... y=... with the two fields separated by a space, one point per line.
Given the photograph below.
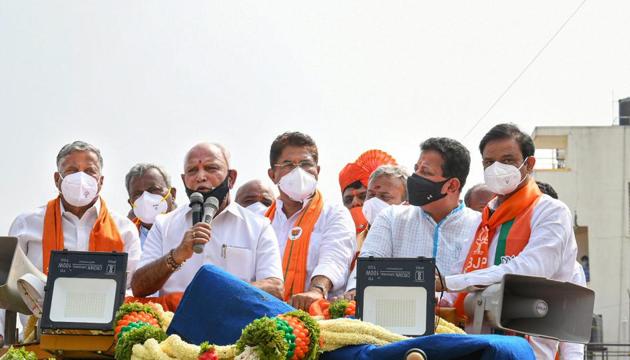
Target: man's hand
x=151 y=277
x=304 y=300
x=200 y=233
x=350 y=295
x=439 y=284
x=271 y=285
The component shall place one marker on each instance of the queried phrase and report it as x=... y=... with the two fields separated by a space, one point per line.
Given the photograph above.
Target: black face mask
x=423 y=191
x=219 y=192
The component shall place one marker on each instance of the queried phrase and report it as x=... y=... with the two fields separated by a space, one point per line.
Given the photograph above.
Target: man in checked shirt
x=437 y=224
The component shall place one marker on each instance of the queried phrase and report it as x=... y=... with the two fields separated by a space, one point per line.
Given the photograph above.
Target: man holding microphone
x=238 y=241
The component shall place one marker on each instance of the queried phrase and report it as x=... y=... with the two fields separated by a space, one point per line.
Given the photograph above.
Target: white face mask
x=79 y=189
x=502 y=178
x=148 y=206
x=257 y=207
x=298 y=184
x=372 y=207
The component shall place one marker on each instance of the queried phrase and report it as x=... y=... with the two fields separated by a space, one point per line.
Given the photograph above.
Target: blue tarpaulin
x=217 y=306
x=442 y=347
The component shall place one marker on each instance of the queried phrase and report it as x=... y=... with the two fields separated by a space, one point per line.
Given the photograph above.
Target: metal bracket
x=480 y=309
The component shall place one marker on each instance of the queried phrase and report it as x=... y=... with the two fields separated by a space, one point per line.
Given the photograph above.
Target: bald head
x=207 y=149
x=254 y=191
x=206 y=166
x=478 y=196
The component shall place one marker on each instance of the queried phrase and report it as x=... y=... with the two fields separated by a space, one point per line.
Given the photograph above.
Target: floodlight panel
x=399 y=309
x=83 y=300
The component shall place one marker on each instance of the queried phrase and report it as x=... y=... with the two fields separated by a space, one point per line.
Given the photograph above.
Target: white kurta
x=550 y=253
x=332 y=244
x=408 y=231
x=29 y=229
x=242 y=244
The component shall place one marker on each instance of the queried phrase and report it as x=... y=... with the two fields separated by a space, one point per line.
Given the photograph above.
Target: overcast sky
x=146 y=80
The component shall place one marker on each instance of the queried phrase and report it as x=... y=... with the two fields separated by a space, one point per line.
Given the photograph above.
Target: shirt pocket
x=238 y=262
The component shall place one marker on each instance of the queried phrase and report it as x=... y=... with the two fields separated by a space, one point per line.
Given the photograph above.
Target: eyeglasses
x=289 y=165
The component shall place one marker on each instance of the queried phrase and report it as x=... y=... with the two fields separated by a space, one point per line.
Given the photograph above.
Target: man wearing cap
x=353 y=181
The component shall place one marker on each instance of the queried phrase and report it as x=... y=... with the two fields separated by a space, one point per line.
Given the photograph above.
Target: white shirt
x=550 y=253
x=242 y=244
x=29 y=229
x=407 y=231
x=332 y=245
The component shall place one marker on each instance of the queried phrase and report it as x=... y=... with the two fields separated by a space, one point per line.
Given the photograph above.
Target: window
x=551 y=152
x=550 y=159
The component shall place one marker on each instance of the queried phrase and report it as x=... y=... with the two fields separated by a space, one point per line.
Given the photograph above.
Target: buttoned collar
x=96 y=207
x=280 y=204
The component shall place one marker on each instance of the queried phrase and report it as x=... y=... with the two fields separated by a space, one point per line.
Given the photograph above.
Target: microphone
x=210 y=208
x=196 y=201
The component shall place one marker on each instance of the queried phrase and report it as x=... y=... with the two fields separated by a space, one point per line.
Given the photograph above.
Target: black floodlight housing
x=83 y=290
x=397 y=294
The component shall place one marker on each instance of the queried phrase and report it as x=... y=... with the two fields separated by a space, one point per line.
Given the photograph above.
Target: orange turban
x=362 y=168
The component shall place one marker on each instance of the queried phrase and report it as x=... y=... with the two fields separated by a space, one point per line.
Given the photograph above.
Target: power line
x=525 y=69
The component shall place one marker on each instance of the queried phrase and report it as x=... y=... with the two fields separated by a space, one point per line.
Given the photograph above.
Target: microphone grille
x=196 y=198
x=212 y=201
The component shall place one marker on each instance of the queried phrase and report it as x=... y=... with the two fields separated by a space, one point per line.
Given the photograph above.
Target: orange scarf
x=296 y=251
x=518 y=207
x=104 y=235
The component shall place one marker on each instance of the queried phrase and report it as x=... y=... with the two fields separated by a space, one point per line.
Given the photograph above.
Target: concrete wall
x=595 y=187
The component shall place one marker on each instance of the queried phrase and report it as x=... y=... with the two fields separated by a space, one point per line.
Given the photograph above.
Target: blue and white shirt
x=408 y=231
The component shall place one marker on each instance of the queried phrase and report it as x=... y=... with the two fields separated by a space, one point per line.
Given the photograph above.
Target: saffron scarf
x=516 y=211
x=295 y=256
x=104 y=235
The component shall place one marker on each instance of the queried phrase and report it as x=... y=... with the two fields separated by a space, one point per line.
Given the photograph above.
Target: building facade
x=589 y=167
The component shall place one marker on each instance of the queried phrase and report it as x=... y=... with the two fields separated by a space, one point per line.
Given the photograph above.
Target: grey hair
x=393 y=171
x=78 y=146
x=141 y=168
